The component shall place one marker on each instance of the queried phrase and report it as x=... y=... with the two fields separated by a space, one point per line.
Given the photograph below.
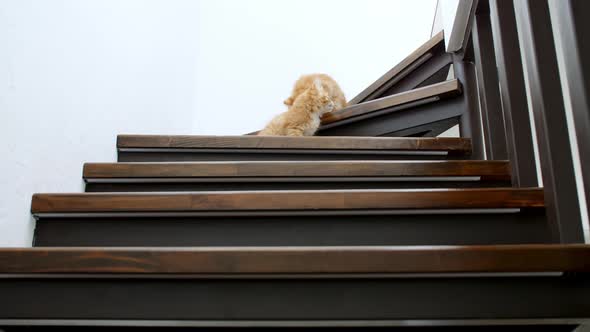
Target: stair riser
x=308 y=230
x=225 y=301
x=233 y=186
x=130 y=155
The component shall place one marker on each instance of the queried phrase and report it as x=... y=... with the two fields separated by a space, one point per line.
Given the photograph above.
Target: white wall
x=74 y=73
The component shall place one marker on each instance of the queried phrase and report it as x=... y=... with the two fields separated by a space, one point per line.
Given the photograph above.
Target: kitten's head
x=322 y=101
x=304 y=82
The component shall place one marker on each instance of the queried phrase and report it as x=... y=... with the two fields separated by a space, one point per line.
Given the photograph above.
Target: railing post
x=469 y=122
x=557 y=167
x=487 y=84
x=571 y=25
x=514 y=104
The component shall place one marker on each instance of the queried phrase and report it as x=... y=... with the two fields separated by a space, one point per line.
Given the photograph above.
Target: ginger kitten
x=329 y=85
x=303 y=117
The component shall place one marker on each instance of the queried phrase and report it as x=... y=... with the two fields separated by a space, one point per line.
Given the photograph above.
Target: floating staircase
x=354 y=230
x=295 y=243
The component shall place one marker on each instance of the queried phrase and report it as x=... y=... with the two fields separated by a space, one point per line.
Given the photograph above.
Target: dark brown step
x=288 y=200
x=426 y=111
x=384 y=105
x=293 y=218
x=289 y=175
x=235 y=148
x=301 y=260
x=305 y=287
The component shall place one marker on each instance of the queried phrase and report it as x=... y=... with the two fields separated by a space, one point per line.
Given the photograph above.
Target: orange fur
x=303 y=117
x=329 y=85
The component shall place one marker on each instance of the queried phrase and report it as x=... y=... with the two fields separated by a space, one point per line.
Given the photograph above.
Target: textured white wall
x=74 y=73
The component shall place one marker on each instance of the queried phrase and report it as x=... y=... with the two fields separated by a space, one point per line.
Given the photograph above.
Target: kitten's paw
x=295 y=132
x=288 y=101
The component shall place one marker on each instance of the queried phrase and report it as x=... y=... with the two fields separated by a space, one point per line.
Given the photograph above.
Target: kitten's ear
x=317 y=84
x=288 y=101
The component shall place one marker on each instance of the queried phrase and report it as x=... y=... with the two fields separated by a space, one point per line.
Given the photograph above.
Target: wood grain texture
x=289 y=200
x=459 y=145
x=298 y=260
x=427 y=47
x=486 y=169
x=441 y=90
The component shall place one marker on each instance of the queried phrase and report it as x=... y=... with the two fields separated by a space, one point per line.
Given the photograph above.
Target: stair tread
x=298 y=260
x=439 y=90
x=291 y=200
x=495 y=169
x=460 y=145
x=429 y=46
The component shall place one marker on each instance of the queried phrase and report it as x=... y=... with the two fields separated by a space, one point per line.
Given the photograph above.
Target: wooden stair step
x=336 y=286
x=292 y=218
x=491 y=169
x=383 y=105
x=289 y=175
x=203 y=148
x=426 y=111
x=300 y=260
x=289 y=200
x=285 y=142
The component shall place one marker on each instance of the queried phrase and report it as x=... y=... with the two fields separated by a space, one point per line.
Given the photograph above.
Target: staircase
x=287 y=242
x=384 y=225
